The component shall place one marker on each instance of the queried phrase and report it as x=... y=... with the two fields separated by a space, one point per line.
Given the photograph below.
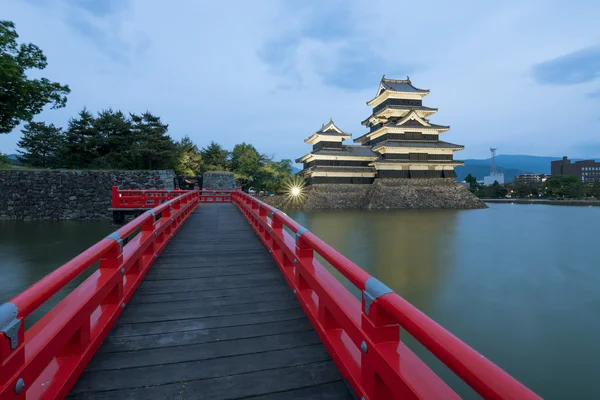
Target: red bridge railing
x=364 y=338
x=46 y=360
x=123 y=198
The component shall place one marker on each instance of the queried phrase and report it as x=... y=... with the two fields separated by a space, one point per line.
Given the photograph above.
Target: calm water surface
x=519 y=283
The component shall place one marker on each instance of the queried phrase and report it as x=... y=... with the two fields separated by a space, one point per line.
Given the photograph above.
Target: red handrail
x=142 y=198
x=46 y=360
x=364 y=338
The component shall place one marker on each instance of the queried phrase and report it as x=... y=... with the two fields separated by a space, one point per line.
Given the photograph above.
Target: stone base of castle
x=385 y=194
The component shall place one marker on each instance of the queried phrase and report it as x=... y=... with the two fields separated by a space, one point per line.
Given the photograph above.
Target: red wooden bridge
x=217 y=295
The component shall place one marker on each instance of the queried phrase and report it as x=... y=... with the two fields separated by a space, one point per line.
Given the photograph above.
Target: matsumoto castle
x=401 y=142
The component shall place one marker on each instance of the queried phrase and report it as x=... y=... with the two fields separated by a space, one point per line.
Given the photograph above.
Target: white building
x=490 y=179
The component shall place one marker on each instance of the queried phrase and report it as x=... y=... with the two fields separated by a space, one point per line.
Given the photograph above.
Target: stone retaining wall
x=59 y=195
x=218 y=180
x=384 y=194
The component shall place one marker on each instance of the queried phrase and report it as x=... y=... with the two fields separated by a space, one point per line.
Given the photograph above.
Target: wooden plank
x=152 y=328
x=193 y=370
x=328 y=391
x=232 y=386
x=205 y=312
x=209 y=294
x=202 y=351
x=132 y=343
x=219 y=302
x=268 y=278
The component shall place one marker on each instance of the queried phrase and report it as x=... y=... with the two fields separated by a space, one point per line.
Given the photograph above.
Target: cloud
x=570 y=69
x=594 y=95
x=328 y=44
x=270 y=72
x=99 y=8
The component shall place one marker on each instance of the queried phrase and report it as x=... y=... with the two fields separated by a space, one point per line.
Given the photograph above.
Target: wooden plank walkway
x=213 y=319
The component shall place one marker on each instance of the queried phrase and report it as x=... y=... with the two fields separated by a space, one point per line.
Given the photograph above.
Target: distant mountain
x=479 y=171
x=532 y=164
x=510 y=164
x=12 y=158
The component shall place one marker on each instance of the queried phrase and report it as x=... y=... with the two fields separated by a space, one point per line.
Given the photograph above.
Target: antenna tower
x=493 y=171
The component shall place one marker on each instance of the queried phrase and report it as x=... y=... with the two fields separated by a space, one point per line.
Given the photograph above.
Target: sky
x=521 y=76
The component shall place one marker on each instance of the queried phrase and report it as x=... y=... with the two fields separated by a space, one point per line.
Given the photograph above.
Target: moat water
x=519 y=283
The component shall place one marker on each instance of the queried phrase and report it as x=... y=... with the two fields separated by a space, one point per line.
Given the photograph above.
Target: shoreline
x=595 y=203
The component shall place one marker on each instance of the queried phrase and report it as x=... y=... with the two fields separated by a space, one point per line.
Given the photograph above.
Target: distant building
x=530 y=178
x=400 y=143
x=490 y=179
x=586 y=170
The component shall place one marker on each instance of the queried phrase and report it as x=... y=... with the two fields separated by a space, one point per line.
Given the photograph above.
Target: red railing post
x=12 y=336
x=115 y=196
x=379 y=380
x=111 y=260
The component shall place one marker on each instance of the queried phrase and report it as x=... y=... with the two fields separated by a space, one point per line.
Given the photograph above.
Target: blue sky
x=522 y=76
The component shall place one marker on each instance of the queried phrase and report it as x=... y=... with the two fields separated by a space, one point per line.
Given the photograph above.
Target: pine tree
x=80 y=148
x=189 y=160
x=157 y=150
x=42 y=145
x=115 y=142
x=214 y=157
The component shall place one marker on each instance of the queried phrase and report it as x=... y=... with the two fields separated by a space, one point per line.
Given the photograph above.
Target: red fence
x=153 y=198
x=364 y=339
x=46 y=360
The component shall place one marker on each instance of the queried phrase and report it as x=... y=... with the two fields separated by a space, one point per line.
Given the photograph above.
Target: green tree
x=214 y=157
x=113 y=142
x=569 y=187
x=41 y=145
x=471 y=180
x=275 y=175
x=81 y=141
x=523 y=190
x=189 y=160
x=4 y=163
x=155 y=147
x=22 y=98
x=247 y=164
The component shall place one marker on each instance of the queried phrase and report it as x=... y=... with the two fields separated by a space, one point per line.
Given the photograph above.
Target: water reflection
x=31 y=250
x=519 y=283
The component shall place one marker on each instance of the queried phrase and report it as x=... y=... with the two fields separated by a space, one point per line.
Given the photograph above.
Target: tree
x=113 y=142
x=81 y=143
x=275 y=175
x=21 y=98
x=569 y=187
x=471 y=180
x=523 y=190
x=3 y=161
x=247 y=164
x=214 y=157
x=42 y=145
x=156 y=149
x=189 y=160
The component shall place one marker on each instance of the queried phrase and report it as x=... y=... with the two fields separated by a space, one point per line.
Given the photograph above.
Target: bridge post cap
x=300 y=232
x=9 y=323
x=374 y=289
x=117 y=238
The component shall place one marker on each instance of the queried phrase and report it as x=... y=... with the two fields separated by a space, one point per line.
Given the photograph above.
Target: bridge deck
x=213 y=319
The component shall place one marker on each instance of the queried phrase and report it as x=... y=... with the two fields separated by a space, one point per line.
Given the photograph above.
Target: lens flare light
x=294 y=190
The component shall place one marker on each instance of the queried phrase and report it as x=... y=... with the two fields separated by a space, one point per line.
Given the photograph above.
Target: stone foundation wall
x=384 y=194
x=218 y=180
x=59 y=195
